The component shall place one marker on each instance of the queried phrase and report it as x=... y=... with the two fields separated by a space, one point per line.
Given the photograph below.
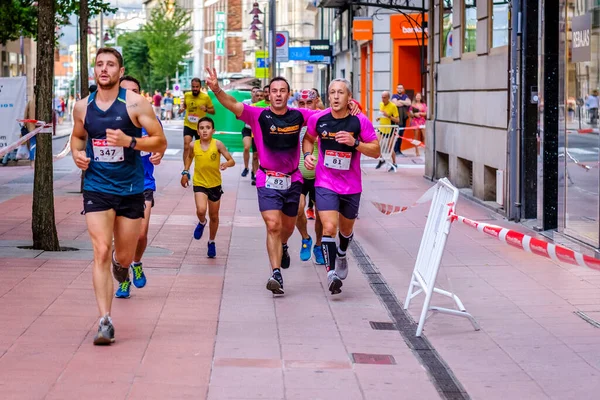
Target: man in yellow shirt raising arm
x=388 y=115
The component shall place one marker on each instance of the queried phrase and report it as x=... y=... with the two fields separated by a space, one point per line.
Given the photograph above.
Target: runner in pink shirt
x=276 y=132
x=342 y=139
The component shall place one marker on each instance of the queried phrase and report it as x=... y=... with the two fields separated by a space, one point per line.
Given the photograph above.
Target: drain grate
x=383 y=326
x=442 y=377
x=588 y=319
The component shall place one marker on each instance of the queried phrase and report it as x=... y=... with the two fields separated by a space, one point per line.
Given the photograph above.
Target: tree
x=136 y=58
x=38 y=19
x=20 y=17
x=43 y=222
x=168 y=39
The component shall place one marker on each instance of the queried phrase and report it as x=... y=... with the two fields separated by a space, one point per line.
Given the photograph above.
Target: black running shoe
x=275 y=283
x=379 y=164
x=106 y=332
x=285 y=257
x=121 y=274
x=245 y=172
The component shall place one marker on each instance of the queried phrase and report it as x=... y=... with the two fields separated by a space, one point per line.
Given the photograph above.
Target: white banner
x=12 y=108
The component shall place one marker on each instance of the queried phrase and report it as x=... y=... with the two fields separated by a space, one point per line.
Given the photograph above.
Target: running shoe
x=305 y=249
x=379 y=164
x=318 y=253
x=275 y=283
x=123 y=290
x=310 y=213
x=285 y=257
x=121 y=274
x=245 y=172
x=393 y=168
x=139 y=278
x=106 y=332
x=253 y=182
x=335 y=283
x=212 y=250
x=199 y=230
x=341 y=267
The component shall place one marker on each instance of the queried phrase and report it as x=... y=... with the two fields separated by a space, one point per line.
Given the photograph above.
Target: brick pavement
x=208 y=328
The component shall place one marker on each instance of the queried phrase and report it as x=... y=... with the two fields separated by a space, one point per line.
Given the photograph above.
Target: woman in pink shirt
x=418 y=111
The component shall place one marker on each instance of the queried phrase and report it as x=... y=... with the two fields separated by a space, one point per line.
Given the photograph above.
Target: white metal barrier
x=430 y=254
x=387 y=141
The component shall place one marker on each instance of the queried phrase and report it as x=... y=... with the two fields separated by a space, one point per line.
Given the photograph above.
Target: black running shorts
x=187 y=131
x=149 y=196
x=214 y=194
x=131 y=206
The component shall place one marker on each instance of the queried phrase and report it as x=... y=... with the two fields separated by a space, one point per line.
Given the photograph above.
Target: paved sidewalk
x=208 y=329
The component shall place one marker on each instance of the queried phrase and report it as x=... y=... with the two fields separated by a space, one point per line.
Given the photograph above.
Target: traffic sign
x=282 y=41
x=262 y=64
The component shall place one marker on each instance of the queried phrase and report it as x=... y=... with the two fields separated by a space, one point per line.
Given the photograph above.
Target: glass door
x=580 y=147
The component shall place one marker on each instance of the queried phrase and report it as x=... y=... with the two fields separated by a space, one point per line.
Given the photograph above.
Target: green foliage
x=135 y=57
x=167 y=35
x=19 y=17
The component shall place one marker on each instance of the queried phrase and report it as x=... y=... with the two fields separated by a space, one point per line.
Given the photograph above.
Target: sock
x=284 y=246
x=203 y=223
x=329 y=251
x=277 y=270
x=344 y=243
x=210 y=241
x=136 y=263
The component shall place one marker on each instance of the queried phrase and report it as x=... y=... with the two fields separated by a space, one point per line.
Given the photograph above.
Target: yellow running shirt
x=207 y=172
x=193 y=113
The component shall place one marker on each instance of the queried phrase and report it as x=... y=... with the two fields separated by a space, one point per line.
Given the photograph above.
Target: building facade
x=467 y=128
x=18 y=58
x=224 y=37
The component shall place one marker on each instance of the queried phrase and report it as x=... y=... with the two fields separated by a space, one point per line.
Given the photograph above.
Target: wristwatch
x=186 y=172
x=133 y=143
x=356 y=143
x=308 y=153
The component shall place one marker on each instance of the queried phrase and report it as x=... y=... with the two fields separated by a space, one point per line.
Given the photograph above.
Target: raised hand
x=211 y=80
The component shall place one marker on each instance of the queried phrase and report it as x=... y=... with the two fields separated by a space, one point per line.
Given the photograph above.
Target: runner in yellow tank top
x=206 y=153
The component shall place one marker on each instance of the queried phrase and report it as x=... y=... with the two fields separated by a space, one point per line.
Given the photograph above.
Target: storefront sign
x=580 y=40
x=362 y=29
x=220 y=22
x=303 y=54
x=320 y=48
x=407 y=27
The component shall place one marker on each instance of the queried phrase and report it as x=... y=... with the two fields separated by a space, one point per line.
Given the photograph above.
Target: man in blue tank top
x=106 y=144
x=149 y=160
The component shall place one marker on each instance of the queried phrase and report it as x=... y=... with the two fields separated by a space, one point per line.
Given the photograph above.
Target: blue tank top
x=125 y=176
x=149 y=182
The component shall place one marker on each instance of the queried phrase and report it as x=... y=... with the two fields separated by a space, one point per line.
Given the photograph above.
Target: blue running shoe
x=123 y=290
x=212 y=250
x=139 y=278
x=318 y=252
x=199 y=230
x=305 y=249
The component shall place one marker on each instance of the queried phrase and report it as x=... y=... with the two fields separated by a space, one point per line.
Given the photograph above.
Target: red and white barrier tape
x=43 y=128
x=507 y=236
x=531 y=244
x=389 y=209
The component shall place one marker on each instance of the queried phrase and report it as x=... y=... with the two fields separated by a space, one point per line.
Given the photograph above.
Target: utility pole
x=272 y=44
x=101 y=30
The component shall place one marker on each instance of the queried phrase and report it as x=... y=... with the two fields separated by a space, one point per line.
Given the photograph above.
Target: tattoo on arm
x=132 y=105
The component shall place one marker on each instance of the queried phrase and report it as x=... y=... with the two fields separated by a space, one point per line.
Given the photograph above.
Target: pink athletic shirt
x=277 y=139
x=324 y=126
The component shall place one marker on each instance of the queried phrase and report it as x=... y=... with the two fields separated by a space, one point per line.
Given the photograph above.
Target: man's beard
x=195 y=92
x=111 y=84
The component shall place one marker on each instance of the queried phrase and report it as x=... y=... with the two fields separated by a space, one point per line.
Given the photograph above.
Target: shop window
x=446 y=41
x=500 y=23
x=470 y=26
